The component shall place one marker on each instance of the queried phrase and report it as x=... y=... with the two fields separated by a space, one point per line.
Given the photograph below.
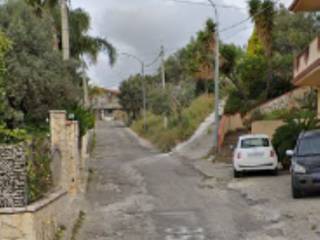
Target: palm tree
x=81 y=43
x=262 y=13
x=41 y=5
x=73 y=40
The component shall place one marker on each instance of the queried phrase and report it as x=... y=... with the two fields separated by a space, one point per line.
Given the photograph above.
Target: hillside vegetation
x=179 y=128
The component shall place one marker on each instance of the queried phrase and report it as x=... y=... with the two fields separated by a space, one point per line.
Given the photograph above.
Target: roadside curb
x=142 y=141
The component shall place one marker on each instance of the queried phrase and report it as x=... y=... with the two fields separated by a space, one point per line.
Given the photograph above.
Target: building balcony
x=307 y=65
x=305 y=5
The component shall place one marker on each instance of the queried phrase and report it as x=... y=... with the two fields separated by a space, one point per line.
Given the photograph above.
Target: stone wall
x=39 y=221
x=12 y=176
x=287 y=101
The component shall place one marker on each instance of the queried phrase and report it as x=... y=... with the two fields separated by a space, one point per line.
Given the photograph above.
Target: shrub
x=277 y=114
x=39 y=176
x=85 y=117
x=8 y=136
x=286 y=136
x=236 y=104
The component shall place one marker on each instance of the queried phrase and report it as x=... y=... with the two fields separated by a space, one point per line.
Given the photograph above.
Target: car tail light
x=272 y=154
x=239 y=155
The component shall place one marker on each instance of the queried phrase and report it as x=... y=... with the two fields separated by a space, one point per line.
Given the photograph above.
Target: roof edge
x=294 y=5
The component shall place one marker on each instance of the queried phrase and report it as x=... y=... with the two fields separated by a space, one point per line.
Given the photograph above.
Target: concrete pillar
x=58 y=142
x=73 y=156
x=65 y=143
x=57 y=124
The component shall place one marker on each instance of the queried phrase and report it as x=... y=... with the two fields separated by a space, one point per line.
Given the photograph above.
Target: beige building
x=307 y=63
x=105 y=103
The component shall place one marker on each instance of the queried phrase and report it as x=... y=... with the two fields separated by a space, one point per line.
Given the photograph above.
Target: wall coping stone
x=58 y=111
x=34 y=207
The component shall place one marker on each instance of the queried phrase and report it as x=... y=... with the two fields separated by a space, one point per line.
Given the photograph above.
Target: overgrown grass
x=180 y=126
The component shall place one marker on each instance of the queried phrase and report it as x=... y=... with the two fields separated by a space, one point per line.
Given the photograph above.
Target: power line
x=245 y=20
x=154 y=61
x=231 y=36
x=204 y=4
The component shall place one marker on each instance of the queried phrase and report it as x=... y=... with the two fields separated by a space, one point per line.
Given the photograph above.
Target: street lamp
x=216 y=77
x=141 y=62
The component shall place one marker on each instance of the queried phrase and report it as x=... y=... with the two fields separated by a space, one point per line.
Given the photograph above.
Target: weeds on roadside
x=78 y=224
x=59 y=233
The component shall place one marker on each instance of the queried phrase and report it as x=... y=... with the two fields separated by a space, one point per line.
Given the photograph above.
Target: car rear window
x=255 y=142
x=309 y=146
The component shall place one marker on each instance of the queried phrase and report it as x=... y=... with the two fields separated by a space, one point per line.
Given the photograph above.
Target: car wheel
x=296 y=193
x=236 y=174
x=275 y=172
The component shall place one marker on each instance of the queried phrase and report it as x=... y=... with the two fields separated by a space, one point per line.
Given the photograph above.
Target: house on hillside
x=307 y=63
x=105 y=103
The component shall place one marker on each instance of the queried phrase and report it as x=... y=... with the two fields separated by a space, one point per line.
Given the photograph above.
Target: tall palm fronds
x=80 y=42
x=262 y=13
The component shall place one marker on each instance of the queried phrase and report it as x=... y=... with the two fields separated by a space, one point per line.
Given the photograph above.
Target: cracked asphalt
x=138 y=193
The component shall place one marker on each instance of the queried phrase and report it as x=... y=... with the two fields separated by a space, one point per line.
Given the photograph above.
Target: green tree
x=5 y=46
x=131 y=96
x=36 y=80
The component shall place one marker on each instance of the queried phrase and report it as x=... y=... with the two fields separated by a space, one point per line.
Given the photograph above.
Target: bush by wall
x=39 y=175
x=85 y=117
x=285 y=137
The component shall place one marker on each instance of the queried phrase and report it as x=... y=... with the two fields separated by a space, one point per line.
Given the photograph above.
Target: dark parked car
x=305 y=168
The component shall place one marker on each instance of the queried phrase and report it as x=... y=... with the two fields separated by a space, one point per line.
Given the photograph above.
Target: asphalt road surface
x=137 y=193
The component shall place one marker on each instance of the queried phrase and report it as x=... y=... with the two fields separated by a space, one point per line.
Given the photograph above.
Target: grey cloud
x=140 y=26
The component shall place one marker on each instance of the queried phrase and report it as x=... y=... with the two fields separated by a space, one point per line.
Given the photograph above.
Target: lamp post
x=141 y=62
x=216 y=76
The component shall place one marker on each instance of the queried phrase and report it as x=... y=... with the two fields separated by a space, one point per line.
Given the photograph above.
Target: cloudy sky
x=140 y=27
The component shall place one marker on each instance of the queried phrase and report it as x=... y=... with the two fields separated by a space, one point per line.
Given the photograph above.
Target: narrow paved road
x=137 y=193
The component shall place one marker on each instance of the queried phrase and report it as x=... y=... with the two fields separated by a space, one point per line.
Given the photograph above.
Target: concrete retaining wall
x=41 y=220
x=38 y=221
x=229 y=123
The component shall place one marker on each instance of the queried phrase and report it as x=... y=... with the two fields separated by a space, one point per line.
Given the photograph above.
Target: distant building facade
x=105 y=103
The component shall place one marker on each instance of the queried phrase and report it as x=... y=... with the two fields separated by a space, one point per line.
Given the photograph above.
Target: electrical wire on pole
x=143 y=86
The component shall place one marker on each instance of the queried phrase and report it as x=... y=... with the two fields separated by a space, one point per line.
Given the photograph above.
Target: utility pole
x=163 y=70
x=66 y=47
x=216 y=77
x=144 y=97
x=65 y=31
x=163 y=78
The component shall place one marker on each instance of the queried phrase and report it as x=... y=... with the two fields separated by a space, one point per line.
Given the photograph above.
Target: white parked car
x=254 y=153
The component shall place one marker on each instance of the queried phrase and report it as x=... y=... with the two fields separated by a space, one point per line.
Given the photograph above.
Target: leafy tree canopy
x=36 y=79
